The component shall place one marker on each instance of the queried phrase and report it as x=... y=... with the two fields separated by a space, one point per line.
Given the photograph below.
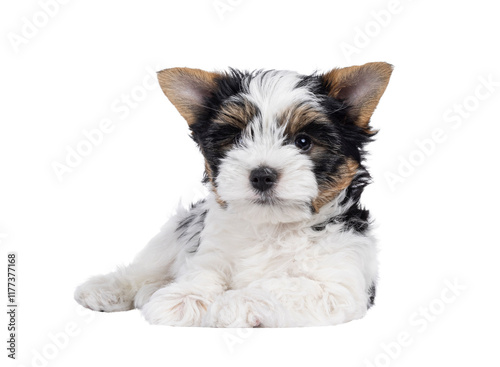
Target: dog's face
x=278 y=145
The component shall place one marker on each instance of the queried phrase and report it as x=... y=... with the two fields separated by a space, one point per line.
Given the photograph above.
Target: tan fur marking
x=297 y=117
x=185 y=87
x=341 y=180
x=221 y=202
x=218 y=199
x=236 y=114
x=361 y=86
x=208 y=171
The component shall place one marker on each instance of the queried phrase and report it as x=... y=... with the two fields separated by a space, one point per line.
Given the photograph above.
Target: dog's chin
x=269 y=209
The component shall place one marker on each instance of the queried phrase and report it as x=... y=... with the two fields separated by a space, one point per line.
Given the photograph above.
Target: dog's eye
x=303 y=143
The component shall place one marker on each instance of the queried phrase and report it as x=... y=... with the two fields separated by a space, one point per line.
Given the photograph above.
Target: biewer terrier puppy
x=282 y=239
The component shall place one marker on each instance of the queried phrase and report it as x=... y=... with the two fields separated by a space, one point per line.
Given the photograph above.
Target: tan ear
x=360 y=87
x=188 y=89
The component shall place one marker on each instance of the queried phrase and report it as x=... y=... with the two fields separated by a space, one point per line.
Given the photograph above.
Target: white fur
x=257 y=264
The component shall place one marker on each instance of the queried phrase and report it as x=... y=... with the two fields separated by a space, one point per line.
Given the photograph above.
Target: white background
x=437 y=225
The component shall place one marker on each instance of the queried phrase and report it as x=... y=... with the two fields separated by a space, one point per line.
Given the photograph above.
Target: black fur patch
x=355 y=218
x=372 y=292
x=213 y=139
x=327 y=163
x=189 y=228
x=343 y=139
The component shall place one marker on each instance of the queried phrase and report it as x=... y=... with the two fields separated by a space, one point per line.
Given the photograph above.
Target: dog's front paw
x=244 y=308
x=107 y=293
x=176 y=305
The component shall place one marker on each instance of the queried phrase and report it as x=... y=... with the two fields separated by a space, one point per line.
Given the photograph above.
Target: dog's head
x=278 y=146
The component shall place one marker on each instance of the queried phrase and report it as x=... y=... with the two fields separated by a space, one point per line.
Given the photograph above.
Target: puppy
x=282 y=239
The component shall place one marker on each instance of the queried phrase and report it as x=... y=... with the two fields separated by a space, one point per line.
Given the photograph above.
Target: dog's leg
x=247 y=307
x=314 y=303
x=132 y=286
x=289 y=301
x=184 y=302
x=330 y=285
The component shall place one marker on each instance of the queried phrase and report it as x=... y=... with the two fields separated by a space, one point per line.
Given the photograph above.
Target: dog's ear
x=360 y=87
x=188 y=89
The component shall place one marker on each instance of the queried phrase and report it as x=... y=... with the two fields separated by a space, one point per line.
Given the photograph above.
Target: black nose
x=263 y=178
